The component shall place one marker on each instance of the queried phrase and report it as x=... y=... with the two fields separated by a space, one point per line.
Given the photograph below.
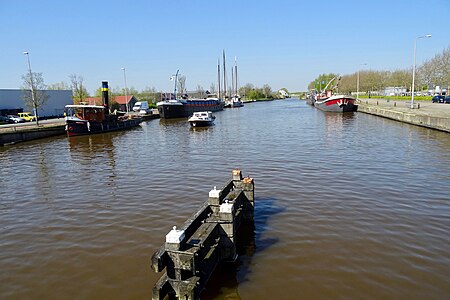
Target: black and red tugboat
x=85 y=119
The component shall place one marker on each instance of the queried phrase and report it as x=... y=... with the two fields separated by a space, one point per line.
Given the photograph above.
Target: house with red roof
x=121 y=100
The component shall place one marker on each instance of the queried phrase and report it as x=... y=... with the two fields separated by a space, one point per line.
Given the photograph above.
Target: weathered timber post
x=190 y=254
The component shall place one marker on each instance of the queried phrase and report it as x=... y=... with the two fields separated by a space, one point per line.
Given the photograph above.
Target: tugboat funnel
x=105 y=96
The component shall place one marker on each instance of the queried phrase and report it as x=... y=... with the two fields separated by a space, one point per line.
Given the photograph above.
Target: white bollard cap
x=214 y=193
x=175 y=236
x=226 y=207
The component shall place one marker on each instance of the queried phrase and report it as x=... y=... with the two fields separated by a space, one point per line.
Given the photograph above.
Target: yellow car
x=26 y=116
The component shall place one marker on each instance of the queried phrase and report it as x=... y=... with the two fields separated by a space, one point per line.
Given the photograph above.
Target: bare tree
x=58 y=86
x=78 y=90
x=267 y=90
x=212 y=88
x=34 y=95
x=400 y=78
x=200 y=91
x=181 y=84
x=436 y=71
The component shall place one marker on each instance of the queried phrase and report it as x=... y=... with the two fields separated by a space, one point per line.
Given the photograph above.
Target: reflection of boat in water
x=326 y=101
x=202 y=119
x=90 y=119
x=337 y=124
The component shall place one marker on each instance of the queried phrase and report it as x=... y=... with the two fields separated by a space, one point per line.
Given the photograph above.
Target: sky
x=281 y=43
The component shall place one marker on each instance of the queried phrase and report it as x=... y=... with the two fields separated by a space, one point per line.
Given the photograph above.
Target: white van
x=141 y=107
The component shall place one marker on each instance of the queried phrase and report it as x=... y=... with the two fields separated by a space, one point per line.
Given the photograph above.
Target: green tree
x=244 y=90
x=252 y=94
x=321 y=81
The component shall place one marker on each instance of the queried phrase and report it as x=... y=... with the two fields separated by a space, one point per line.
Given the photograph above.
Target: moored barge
x=183 y=108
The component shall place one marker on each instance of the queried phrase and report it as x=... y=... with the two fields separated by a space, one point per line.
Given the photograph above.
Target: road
x=28 y=125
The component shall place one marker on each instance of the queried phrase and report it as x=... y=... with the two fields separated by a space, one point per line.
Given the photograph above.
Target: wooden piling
x=191 y=253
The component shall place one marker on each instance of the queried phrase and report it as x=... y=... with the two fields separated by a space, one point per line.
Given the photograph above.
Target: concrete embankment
x=16 y=134
x=425 y=113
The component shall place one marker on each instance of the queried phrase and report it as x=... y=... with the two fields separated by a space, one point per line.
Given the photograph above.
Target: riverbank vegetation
x=432 y=73
x=151 y=95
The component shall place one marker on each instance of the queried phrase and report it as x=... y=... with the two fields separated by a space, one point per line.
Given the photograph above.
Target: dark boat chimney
x=105 y=96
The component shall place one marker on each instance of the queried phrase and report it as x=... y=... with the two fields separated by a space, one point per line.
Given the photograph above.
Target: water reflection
x=250 y=240
x=179 y=122
x=224 y=281
x=91 y=154
x=347 y=206
x=46 y=184
x=201 y=129
x=89 y=144
x=337 y=121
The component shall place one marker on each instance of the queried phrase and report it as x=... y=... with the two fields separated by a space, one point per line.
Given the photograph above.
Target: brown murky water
x=347 y=207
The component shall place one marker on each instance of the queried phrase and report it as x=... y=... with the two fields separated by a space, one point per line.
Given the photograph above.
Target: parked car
x=141 y=106
x=438 y=99
x=5 y=120
x=16 y=119
x=447 y=99
x=27 y=116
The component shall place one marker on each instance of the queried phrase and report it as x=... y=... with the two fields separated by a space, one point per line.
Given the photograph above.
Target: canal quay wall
x=190 y=254
x=425 y=114
x=26 y=132
x=16 y=134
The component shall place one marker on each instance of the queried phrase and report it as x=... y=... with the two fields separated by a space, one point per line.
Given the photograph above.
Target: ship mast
x=235 y=76
x=232 y=82
x=224 y=77
x=218 y=78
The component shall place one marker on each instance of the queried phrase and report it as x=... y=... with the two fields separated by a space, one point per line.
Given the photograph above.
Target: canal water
x=347 y=206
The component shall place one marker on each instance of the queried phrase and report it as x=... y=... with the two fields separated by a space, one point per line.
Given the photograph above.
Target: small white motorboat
x=201 y=118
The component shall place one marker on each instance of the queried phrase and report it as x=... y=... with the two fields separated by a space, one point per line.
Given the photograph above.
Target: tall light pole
x=357 y=81
x=32 y=87
x=126 y=89
x=414 y=67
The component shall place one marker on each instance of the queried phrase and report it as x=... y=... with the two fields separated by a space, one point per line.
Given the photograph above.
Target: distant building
x=121 y=100
x=11 y=102
x=394 y=91
x=283 y=94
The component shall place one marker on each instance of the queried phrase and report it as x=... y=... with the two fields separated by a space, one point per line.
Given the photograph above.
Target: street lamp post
x=126 y=89
x=357 y=82
x=32 y=87
x=414 y=67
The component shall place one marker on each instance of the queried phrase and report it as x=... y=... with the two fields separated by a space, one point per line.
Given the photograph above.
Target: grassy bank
x=405 y=98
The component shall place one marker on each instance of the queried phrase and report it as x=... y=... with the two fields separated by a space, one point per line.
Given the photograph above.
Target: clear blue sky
x=281 y=43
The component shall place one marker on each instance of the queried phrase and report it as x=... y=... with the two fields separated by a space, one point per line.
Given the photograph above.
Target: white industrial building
x=394 y=91
x=11 y=102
